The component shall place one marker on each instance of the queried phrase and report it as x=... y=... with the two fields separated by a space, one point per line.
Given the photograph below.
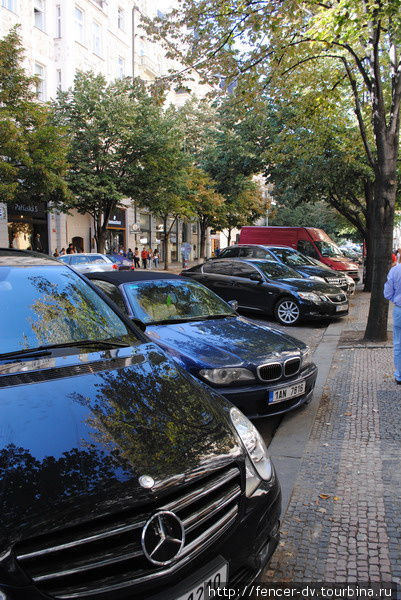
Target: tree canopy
x=32 y=148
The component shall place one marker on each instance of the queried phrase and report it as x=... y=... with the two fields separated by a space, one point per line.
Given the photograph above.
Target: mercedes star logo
x=163 y=538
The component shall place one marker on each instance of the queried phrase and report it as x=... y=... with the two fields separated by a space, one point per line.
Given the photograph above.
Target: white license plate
x=287 y=393
x=200 y=591
x=342 y=308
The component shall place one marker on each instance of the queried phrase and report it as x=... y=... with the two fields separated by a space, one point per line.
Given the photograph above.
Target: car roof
x=120 y=277
x=10 y=257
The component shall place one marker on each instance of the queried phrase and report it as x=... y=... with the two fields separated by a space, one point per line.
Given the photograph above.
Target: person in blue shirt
x=392 y=291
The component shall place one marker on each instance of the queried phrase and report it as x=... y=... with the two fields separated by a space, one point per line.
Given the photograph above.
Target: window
x=40 y=88
x=58 y=78
x=58 y=21
x=112 y=292
x=121 y=19
x=121 y=67
x=79 y=25
x=39 y=14
x=229 y=253
x=243 y=270
x=97 y=39
x=292 y=258
x=218 y=267
x=10 y=4
x=144 y=220
x=307 y=248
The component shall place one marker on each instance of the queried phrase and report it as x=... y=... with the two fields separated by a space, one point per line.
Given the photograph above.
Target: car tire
x=287 y=311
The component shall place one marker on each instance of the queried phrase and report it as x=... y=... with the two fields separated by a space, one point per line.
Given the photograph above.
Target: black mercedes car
x=261 y=370
x=304 y=265
x=122 y=478
x=268 y=287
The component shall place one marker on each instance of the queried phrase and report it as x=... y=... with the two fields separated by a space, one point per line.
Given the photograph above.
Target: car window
x=53 y=305
x=241 y=269
x=112 y=292
x=329 y=249
x=65 y=258
x=275 y=270
x=262 y=253
x=246 y=252
x=307 y=248
x=78 y=260
x=218 y=267
x=229 y=252
x=96 y=259
x=168 y=300
x=292 y=258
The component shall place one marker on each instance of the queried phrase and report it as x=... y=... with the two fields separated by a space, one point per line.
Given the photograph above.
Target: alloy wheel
x=288 y=312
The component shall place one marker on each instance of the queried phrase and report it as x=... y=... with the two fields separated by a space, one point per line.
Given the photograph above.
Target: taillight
x=115 y=267
x=132 y=268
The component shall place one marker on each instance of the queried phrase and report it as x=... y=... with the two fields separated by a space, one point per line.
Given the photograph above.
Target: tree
x=275 y=46
x=32 y=149
x=121 y=147
x=208 y=204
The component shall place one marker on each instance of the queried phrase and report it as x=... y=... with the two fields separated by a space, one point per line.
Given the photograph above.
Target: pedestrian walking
x=150 y=258
x=144 y=256
x=130 y=254
x=156 y=258
x=62 y=252
x=392 y=291
x=137 y=262
x=56 y=253
x=71 y=249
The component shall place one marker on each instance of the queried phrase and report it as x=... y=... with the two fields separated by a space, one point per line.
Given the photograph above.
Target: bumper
x=324 y=309
x=247 y=549
x=254 y=401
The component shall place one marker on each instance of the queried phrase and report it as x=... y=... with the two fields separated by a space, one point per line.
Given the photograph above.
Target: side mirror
x=233 y=304
x=256 y=277
x=140 y=324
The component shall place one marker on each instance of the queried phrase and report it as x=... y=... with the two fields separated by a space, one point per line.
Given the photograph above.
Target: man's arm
x=389 y=289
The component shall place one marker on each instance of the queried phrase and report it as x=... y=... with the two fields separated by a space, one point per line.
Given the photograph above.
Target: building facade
x=61 y=37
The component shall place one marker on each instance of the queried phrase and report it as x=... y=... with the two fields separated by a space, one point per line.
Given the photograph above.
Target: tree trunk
x=203 y=230
x=381 y=230
x=229 y=236
x=166 y=236
x=368 y=264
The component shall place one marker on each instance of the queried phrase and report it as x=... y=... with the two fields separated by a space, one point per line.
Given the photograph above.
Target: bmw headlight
x=311 y=296
x=226 y=376
x=253 y=443
x=306 y=357
x=317 y=278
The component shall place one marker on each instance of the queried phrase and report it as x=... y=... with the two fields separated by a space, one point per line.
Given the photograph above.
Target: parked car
x=268 y=287
x=121 y=475
x=122 y=263
x=259 y=369
x=88 y=262
x=303 y=265
x=308 y=240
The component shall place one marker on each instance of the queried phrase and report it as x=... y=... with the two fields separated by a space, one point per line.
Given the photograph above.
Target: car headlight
x=226 y=376
x=317 y=278
x=311 y=296
x=306 y=357
x=253 y=443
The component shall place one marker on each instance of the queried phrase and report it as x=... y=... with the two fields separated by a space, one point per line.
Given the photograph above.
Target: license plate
x=200 y=591
x=342 y=308
x=288 y=392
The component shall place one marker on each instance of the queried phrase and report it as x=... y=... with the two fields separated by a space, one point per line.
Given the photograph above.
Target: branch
x=358 y=113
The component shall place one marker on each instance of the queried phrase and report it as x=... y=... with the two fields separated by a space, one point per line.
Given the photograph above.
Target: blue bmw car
x=259 y=369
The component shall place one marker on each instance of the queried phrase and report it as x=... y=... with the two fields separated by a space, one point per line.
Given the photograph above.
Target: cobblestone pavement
x=343 y=522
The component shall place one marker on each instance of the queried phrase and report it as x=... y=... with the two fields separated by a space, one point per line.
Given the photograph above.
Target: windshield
x=292 y=258
x=274 y=270
x=329 y=249
x=170 y=300
x=53 y=305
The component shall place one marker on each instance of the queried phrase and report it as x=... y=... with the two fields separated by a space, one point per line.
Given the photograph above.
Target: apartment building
x=61 y=37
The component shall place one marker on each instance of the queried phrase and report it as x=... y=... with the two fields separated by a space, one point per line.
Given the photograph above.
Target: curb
x=288 y=444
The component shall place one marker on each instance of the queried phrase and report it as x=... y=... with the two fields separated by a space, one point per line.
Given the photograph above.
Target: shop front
x=28 y=227
x=116 y=231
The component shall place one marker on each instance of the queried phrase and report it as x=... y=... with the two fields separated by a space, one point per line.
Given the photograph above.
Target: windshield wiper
x=46 y=349
x=191 y=319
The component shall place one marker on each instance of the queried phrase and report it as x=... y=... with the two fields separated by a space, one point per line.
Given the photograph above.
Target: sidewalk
x=343 y=519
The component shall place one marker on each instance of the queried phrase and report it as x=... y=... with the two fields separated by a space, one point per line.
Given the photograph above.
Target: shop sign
x=117 y=219
x=135 y=228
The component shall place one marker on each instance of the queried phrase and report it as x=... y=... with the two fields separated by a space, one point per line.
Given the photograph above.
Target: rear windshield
x=273 y=270
x=53 y=305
